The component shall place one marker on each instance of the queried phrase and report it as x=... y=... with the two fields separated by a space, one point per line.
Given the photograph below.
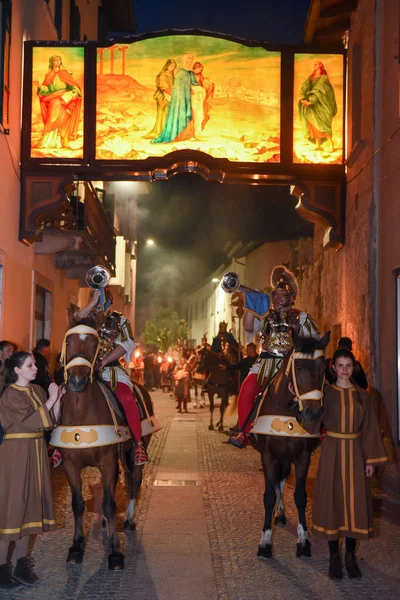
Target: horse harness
x=87 y=436
x=286 y=426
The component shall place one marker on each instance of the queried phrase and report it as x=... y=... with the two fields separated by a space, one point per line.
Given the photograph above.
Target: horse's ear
x=297 y=341
x=71 y=317
x=324 y=341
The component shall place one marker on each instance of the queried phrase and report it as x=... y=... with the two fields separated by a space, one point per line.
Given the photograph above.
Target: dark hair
x=4 y=344
x=42 y=343
x=15 y=360
x=344 y=353
x=345 y=342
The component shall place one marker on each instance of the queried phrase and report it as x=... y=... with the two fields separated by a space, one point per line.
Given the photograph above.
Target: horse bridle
x=79 y=359
x=291 y=366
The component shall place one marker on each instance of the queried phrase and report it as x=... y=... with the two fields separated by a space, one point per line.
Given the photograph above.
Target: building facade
x=355 y=291
x=35 y=287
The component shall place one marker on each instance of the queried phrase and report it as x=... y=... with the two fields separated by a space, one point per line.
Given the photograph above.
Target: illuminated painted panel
x=183 y=92
x=57 y=102
x=318 y=109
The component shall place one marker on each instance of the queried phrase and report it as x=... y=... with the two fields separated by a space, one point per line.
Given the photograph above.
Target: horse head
x=306 y=372
x=79 y=354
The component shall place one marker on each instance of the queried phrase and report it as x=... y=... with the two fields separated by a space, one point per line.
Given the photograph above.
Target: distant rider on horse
x=116 y=341
x=224 y=341
x=275 y=326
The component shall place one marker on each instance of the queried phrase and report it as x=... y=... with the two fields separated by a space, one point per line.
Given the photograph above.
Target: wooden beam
x=338 y=9
x=332 y=31
x=312 y=20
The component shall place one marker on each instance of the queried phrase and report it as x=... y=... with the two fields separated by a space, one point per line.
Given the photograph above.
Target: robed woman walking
x=350 y=451
x=26 y=505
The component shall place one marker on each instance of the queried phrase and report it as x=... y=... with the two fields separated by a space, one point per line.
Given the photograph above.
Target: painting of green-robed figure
x=195 y=92
x=318 y=110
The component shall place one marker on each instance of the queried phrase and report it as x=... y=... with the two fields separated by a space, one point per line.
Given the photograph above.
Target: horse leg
x=265 y=547
x=222 y=409
x=133 y=482
x=300 y=497
x=211 y=401
x=76 y=551
x=109 y=473
x=280 y=517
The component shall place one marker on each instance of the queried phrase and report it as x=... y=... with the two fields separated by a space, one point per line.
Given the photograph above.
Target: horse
x=85 y=412
x=280 y=439
x=219 y=381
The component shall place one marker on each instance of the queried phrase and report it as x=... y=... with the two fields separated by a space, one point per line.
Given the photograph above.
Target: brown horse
x=218 y=382
x=86 y=414
x=281 y=440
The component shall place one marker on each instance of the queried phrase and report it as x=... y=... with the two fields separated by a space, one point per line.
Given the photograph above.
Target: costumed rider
x=274 y=318
x=116 y=341
x=224 y=340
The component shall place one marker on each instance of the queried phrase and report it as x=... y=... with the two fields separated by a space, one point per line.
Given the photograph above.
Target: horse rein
x=291 y=366
x=78 y=359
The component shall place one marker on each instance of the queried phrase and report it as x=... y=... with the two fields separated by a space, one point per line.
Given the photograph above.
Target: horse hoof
x=304 y=551
x=129 y=526
x=264 y=552
x=280 y=520
x=75 y=555
x=211 y=427
x=221 y=428
x=116 y=561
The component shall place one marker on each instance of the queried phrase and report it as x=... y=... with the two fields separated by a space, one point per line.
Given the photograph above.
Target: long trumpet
x=97 y=277
x=230 y=283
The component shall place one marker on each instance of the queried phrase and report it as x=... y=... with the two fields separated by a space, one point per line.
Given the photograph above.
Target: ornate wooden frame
x=320 y=189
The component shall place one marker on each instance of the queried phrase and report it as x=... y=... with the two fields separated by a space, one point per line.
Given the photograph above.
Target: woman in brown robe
x=352 y=447
x=26 y=505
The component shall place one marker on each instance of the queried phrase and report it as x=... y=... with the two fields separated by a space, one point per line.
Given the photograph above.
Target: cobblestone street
x=199 y=520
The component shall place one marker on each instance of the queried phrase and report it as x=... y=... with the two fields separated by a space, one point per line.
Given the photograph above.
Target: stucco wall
x=21 y=267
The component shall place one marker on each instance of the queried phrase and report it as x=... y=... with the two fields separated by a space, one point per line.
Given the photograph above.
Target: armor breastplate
x=108 y=332
x=276 y=338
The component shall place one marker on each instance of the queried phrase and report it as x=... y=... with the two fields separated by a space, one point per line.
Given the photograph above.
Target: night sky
x=193 y=221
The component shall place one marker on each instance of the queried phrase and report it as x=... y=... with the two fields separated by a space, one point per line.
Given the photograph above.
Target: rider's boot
x=140 y=455
x=239 y=439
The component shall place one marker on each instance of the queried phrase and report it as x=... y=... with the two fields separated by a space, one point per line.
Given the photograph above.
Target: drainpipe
x=374 y=214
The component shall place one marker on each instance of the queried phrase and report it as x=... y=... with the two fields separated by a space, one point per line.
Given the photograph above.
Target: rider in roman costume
x=116 y=341
x=274 y=318
x=224 y=340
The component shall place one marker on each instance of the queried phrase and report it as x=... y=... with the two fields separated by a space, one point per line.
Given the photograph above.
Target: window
x=1 y=294
x=102 y=30
x=58 y=17
x=398 y=351
x=5 y=47
x=42 y=313
x=74 y=22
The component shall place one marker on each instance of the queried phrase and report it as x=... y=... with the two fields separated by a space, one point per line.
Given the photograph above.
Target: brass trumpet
x=230 y=283
x=97 y=277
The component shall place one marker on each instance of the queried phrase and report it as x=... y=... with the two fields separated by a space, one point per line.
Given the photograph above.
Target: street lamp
x=149 y=242
x=214 y=280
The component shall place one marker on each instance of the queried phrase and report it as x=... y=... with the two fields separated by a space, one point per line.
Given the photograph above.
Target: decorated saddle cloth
x=148 y=421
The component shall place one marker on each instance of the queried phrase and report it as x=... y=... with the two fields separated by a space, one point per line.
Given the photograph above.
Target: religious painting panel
x=57 y=102
x=318 y=109
x=181 y=92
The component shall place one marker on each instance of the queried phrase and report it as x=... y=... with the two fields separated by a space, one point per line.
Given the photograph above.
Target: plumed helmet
x=283 y=279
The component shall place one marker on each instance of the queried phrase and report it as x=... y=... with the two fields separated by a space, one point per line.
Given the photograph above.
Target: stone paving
x=199 y=542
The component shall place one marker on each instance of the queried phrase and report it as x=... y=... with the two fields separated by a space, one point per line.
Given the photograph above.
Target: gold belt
x=343 y=436
x=22 y=436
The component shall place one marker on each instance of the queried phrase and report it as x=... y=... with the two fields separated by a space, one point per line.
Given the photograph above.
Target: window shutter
x=5 y=52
